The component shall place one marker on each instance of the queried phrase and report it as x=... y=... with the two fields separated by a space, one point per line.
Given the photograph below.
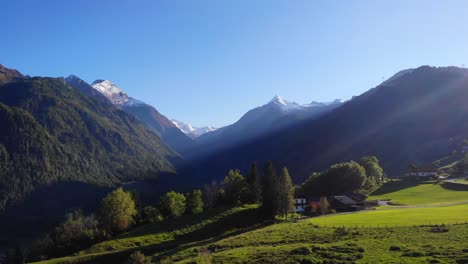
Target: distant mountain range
x=64 y=131
x=415 y=116
x=273 y=116
x=192 y=132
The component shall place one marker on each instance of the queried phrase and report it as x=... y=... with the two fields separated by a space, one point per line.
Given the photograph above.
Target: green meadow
x=414 y=193
x=430 y=228
x=397 y=217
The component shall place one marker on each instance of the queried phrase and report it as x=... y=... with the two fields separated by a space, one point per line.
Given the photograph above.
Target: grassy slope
x=398 y=217
x=172 y=235
x=233 y=237
x=410 y=193
x=275 y=244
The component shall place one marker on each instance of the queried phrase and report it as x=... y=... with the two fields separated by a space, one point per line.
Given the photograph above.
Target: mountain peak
x=278 y=99
x=110 y=90
x=191 y=131
x=7 y=74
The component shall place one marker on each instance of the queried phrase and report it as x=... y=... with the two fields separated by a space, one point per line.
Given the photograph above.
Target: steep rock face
x=414 y=117
x=52 y=132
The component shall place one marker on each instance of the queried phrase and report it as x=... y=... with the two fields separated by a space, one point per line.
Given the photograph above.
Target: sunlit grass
x=397 y=217
x=425 y=193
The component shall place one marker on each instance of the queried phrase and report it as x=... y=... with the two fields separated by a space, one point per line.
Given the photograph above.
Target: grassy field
x=398 y=217
x=414 y=193
x=303 y=242
x=171 y=234
x=405 y=234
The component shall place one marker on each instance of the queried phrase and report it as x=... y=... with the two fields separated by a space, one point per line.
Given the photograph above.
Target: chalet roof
x=344 y=200
x=424 y=168
x=358 y=197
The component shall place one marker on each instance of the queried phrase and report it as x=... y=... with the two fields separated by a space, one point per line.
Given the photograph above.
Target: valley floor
x=425 y=230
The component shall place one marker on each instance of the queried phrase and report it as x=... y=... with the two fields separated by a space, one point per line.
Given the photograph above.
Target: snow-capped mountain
x=115 y=94
x=107 y=91
x=191 y=131
x=278 y=113
x=293 y=106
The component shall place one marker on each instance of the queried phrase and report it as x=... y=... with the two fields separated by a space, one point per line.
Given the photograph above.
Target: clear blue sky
x=208 y=62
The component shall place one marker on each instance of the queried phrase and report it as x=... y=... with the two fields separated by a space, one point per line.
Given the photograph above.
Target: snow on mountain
x=285 y=105
x=293 y=106
x=191 y=131
x=116 y=95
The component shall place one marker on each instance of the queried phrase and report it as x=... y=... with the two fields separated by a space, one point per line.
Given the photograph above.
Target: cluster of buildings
x=339 y=203
x=356 y=201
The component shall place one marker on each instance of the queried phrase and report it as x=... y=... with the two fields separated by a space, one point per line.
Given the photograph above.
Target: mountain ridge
x=411 y=118
x=152 y=118
x=45 y=119
x=268 y=118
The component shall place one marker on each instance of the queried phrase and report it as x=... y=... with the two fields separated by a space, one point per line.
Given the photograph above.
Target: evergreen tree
x=254 y=182
x=285 y=194
x=195 y=202
x=269 y=191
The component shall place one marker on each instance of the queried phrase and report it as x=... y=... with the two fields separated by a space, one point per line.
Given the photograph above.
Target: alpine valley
x=65 y=143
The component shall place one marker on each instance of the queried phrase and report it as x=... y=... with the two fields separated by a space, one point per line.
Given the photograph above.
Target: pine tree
x=269 y=191
x=254 y=181
x=285 y=194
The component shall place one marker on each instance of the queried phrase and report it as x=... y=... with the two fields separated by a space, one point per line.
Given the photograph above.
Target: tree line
x=120 y=210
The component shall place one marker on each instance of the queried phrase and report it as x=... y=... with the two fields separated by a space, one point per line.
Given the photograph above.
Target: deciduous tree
x=117 y=211
x=195 y=202
x=173 y=204
x=235 y=188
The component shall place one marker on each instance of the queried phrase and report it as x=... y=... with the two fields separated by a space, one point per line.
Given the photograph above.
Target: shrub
x=341 y=231
x=301 y=251
x=150 y=215
x=412 y=253
x=439 y=229
x=395 y=248
x=204 y=257
x=138 y=258
x=76 y=231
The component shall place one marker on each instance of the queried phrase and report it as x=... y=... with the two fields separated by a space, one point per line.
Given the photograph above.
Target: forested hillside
x=414 y=117
x=52 y=132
